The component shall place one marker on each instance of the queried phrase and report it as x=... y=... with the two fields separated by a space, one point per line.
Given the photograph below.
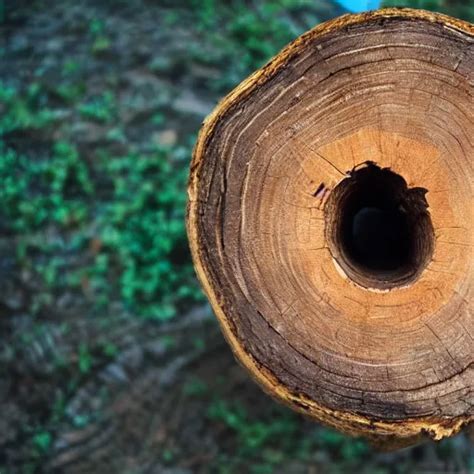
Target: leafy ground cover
x=111 y=361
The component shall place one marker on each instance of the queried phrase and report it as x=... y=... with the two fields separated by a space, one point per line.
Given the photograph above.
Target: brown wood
x=385 y=354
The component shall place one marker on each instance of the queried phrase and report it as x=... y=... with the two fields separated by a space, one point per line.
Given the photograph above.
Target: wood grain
x=394 y=88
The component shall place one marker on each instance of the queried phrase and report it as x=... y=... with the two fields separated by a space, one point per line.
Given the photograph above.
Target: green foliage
x=85 y=359
x=348 y=449
x=42 y=440
x=112 y=227
x=169 y=342
x=109 y=349
x=100 y=42
x=100 y=109
x=167 y=455
x=267 y=440
x=142 y=236
x=457 y=8
x=70 y=67
x=38 y=192
x=249 y=38
x=70 y=93
x=254 y=435
x=23 y=111
x=195 y=388
x=140 y=251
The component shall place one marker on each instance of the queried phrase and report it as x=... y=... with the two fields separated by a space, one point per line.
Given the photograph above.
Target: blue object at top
x=360 y=5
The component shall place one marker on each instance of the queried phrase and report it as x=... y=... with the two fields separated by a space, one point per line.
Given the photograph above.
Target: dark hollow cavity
x=379 y=230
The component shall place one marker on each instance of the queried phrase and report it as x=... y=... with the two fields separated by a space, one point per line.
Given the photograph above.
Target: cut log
x=331 y=223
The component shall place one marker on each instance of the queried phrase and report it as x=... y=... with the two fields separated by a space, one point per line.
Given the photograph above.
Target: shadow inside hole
x=379 y=228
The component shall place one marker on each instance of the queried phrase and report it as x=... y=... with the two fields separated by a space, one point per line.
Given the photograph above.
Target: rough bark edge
x=388 y=435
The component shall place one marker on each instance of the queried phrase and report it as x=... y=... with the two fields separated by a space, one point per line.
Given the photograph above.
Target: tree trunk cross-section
x=365 y=121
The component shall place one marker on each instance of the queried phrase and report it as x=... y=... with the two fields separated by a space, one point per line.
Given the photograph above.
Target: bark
x=383 y=353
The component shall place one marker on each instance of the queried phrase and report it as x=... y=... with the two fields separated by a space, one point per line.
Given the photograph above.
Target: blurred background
x=110 y=358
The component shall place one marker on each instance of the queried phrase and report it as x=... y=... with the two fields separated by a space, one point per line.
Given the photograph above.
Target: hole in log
x=263 y=209
x=378 y=229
